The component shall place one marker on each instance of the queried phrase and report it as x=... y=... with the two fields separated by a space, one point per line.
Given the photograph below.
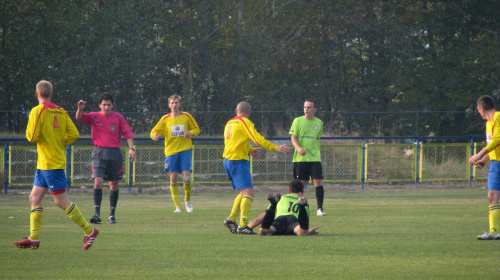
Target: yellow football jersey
x=493 y=137
x=173 y=129
x=238 y=133
x=52 y=129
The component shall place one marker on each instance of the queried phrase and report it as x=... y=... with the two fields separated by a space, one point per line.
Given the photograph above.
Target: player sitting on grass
x=288 y=214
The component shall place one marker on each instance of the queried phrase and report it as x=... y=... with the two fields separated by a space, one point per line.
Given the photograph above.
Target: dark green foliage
x=350 y=56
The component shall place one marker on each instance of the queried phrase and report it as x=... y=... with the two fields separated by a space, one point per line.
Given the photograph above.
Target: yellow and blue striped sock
x=35 y=222
x=76 y=216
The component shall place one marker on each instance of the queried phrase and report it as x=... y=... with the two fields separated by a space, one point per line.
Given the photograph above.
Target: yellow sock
x=494 y=218
x=35 y=222
x=236 y=208
x=175 y=194
x=246 y=206
x=77 y=217
x=187 y=191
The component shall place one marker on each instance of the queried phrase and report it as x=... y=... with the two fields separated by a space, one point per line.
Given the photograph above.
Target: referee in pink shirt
x=107 y=161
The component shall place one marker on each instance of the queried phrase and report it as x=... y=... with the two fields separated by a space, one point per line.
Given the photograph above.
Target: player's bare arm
x=283 y=149
x=313 y=231
x=473 y=159
x=482 y=162
x=131 y=151
x=256 y=152
x=295 y=143
x=80 y=105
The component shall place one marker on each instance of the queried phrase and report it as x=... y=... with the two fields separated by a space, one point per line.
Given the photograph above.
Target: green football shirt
x=308 y=133
x=289 y=205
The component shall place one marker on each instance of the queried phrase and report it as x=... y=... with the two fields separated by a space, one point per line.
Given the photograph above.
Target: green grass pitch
x=367 y=234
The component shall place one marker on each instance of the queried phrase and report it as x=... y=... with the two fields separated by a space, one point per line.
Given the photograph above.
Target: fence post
x=417 y=163
x=130 y=169
x=363 y=148
x=68 y=166
x=471 y=168
x=6 y=166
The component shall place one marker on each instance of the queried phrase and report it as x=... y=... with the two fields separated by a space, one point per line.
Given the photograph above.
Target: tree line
x=349 y=56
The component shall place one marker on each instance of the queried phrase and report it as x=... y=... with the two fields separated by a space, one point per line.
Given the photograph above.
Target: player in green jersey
x=305 y=134
x=288 y=214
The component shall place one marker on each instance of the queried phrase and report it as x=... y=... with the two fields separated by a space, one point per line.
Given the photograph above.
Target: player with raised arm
x=107 y=129
x=178 y=128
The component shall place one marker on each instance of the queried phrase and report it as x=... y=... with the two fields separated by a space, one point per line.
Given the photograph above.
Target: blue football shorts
x=178 y=162
x=55 y=180
x=494 y=176
x=238 y=172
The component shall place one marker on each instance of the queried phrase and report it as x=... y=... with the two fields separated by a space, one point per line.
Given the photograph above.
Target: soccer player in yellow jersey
x=52 y=129
x=178 y=128
x=486 y=108
x=238 y=133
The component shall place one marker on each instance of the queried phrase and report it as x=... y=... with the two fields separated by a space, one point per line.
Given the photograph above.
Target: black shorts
x=305 y=170
x=107 y=163
x=285 y=225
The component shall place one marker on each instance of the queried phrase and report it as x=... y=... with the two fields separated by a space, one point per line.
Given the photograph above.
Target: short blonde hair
x=175 y=96
x=44 y=88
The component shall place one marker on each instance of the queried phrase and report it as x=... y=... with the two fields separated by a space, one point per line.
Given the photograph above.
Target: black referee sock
x=113 y=201
x=97 y=201
x=303 y=217
x=320 y=194
x=268 y=219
